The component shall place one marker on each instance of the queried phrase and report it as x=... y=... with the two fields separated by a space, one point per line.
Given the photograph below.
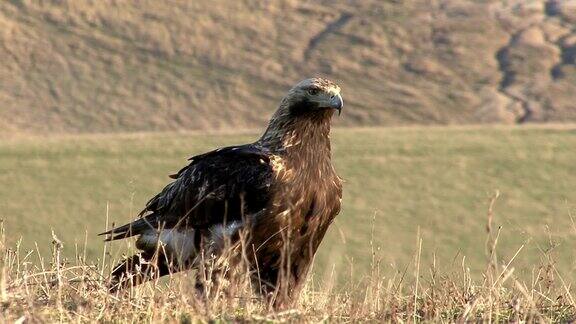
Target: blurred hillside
x=107 y=65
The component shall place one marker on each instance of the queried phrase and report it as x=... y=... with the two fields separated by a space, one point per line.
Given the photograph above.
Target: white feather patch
x=178 y=243
x=219 y=232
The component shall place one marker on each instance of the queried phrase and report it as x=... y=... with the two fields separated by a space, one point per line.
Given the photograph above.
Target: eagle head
x=313 y=97
x=304 y=115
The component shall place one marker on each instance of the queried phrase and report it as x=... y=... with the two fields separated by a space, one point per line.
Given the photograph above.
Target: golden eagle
x=281 y=191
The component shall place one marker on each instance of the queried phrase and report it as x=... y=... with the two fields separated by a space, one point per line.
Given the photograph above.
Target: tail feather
x=131 y=229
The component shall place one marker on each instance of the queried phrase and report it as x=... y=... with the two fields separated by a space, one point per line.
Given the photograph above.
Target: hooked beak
x=337 y=103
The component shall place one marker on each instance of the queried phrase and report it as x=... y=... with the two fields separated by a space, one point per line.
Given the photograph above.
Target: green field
x=400 y=183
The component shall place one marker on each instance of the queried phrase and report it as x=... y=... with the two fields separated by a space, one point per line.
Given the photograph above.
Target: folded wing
x=218 y=187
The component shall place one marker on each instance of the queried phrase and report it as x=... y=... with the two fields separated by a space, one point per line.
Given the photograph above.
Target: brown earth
x=109 y=66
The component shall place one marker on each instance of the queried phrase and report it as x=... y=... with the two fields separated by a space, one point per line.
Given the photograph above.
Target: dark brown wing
x=217 y=187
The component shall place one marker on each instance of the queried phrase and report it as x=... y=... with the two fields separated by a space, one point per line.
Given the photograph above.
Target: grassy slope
x=434 y=181
x=109 y=66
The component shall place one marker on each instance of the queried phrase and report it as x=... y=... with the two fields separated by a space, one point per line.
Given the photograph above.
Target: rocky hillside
x=108 y=65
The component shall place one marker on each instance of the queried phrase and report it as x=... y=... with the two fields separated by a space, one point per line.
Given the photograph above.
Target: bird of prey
x=278 y=194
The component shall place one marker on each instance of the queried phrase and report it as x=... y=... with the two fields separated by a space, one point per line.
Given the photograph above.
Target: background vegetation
x=400 y=183
x=423 y=236
x=116 y=66
x=101 y=100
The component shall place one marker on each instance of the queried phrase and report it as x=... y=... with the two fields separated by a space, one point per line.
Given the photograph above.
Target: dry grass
x=505 y=259
x=60 y=290
x=117 y=66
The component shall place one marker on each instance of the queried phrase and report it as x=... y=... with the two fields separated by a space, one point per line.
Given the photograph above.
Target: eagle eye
x=313 y=92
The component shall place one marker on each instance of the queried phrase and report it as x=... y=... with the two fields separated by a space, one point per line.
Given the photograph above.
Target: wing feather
x=216 y=187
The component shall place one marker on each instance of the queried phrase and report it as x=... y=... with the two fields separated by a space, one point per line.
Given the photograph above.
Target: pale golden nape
x=318 y=83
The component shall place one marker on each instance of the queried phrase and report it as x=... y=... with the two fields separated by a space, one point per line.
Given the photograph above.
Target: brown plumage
x=270 y=202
